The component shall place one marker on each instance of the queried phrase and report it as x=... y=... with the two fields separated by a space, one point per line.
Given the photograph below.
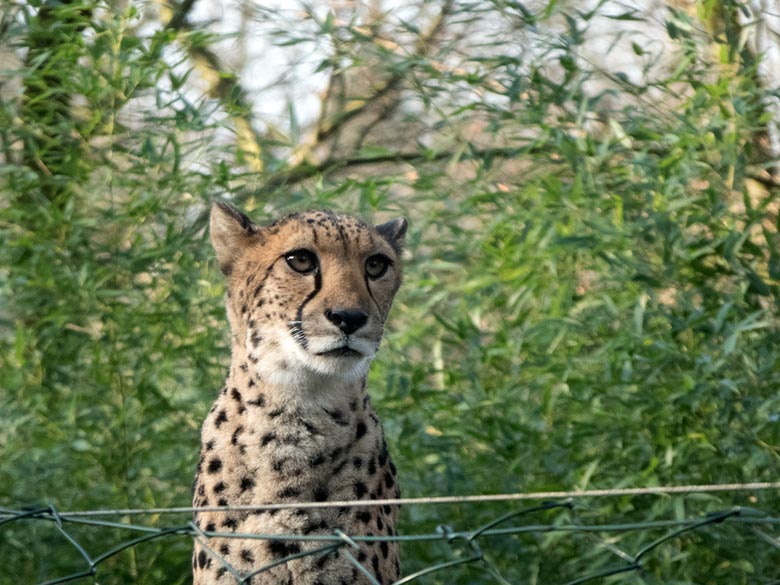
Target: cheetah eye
x=303 y=261
x=376 y=266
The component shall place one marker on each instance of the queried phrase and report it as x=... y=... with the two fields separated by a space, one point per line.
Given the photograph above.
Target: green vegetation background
x=595 y=306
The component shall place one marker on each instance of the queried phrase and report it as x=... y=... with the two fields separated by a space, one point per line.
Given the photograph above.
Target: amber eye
x=303 y=261
x=376 y=265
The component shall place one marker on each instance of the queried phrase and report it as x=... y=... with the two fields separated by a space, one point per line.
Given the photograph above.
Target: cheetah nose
x=348 y=320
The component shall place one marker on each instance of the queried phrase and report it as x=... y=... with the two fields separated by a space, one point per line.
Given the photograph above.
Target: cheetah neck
x=297 y=388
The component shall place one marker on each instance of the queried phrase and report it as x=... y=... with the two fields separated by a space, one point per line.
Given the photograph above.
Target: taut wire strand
x=471 y=499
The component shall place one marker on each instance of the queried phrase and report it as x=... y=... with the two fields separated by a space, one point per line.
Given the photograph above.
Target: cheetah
x=307 y=298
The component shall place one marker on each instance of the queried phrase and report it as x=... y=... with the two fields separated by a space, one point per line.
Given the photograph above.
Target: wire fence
x=465 y=545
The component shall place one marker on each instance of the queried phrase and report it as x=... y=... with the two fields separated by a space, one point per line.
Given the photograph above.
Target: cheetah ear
x=394 y=231
x=231 y=231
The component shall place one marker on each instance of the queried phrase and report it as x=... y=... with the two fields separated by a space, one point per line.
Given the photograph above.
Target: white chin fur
x=289 y=364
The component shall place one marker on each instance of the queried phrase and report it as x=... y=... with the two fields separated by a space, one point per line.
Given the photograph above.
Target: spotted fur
x=307 y=301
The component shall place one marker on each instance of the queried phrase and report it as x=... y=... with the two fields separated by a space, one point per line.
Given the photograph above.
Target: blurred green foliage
x=596 y=306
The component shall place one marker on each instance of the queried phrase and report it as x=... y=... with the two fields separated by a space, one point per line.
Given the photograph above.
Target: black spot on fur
x=267 y=438
x=281 y=549
x=234 y=436
x=321 y=494
x=275 y=413
x=360 y=430
x=389 y=481
x=289 y=492
x=230 y=523
x=375 y=563
x=364 y=516
x=357 y=462
x=319 y=459
x=360 y=489
x=221 y=571
x=202 y=558
x=222 y=502
x=337 y=416
x=221 y=418
x=219 y=488
x=384 y=548
x=247 y=555
x=214 y=465
x=312 y=526
x=235 y=394
x=383 y=458
x=211 y=527
x=224 y=549
x=371 y=466
x=380 y=525
x=247 y=483
x=259 y=401
x=210 y=445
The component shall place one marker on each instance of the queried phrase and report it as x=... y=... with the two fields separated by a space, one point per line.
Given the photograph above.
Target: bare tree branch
x=350 y=109
x=223 y=86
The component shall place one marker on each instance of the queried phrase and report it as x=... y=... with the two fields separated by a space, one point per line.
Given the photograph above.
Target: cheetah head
x=309 y=294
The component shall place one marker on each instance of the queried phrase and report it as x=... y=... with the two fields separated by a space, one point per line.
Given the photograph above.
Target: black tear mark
x=295 y=329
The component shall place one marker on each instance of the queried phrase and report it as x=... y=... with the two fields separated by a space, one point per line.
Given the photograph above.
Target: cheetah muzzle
x=307 y=299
